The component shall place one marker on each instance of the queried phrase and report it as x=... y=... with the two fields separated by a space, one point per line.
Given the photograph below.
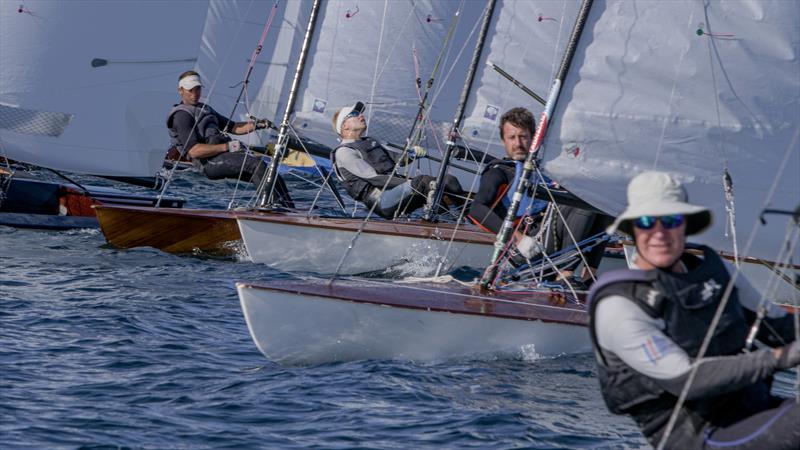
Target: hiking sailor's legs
x=403 y=198
x=230 y=165
x=393 y=198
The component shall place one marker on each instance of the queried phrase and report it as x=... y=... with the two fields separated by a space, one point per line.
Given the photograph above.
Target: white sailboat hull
x=297 y=328
x=317 y=244
x=290 y=247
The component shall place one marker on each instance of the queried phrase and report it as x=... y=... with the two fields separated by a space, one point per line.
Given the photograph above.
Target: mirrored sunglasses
x=668 y=222
x=353 y=113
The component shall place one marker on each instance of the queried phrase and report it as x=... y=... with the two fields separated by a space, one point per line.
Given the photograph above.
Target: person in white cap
x=197 y=130
x=364 y=166
x=648 y=324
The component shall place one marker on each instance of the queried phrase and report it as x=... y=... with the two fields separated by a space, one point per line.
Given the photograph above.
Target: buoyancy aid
x=375 y=155
x=687 y=303
x=528 y=204
x=206 y=126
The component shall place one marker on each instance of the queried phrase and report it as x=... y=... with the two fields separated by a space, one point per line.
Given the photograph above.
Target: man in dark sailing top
x=365 y=168
x=499 y=182
x=648 y=324
x=200 y=132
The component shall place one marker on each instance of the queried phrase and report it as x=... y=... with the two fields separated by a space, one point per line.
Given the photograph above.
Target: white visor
x=190 y=82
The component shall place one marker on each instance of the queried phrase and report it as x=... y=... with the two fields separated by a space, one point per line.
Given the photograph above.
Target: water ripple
x=104 y=348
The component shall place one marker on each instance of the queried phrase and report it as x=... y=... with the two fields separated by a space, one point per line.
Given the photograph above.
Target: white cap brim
x=190 y=82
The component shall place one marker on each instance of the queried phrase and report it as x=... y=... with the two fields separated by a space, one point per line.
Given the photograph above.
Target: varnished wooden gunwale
x=415 y=229
x=545 y=306
x=187 y=230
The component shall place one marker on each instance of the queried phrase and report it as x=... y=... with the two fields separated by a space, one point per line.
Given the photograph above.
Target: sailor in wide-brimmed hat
x=659 y=194
x=648 y=324
x=659 y=217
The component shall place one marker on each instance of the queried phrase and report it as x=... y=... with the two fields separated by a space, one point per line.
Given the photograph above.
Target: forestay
x=691 y=88
x=86 y=86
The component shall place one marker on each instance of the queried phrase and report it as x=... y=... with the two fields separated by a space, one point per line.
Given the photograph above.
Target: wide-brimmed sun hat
x=343 y=113
x=659 y=194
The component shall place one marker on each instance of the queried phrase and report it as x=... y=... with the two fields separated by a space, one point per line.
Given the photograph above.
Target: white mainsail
x=85 y=86
x=367 y=53
x=281 y=58
x=526 y=39
x=232 y=30
x=692 y=88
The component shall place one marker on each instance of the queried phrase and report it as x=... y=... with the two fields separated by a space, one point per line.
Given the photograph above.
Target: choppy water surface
x=101 y=347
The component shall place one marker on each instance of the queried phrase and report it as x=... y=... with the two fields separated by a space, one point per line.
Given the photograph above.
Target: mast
x=430 y=208
x=530 y=161
x=265 y=190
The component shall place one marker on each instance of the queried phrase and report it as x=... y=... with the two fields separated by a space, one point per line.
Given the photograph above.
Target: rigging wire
x=506 y=92
x=727 y=181
x=417 y=126
x=530 y=160
x=790 y=238
x=378 y=58
x=325 y=177
x=725 y=297
x=402 y=156
x=210 y=94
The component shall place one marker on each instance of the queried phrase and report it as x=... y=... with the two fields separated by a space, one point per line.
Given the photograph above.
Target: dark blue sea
x=105 y=348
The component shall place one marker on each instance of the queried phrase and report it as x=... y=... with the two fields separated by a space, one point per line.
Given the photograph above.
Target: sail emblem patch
x=319 y=106
x=490 y=113
x=572 y=150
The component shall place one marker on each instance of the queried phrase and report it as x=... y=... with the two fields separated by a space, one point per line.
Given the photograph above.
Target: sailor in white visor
x=648 y=324
x=364 y=167
x=197 y=130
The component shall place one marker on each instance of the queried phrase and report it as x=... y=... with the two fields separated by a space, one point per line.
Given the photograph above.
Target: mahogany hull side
x=172 y=231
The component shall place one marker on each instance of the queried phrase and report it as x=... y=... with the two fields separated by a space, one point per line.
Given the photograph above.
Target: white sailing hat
x=190 y=82
x=659 y=194
x=343 y=112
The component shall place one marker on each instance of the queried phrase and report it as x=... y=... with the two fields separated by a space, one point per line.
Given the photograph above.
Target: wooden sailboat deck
x=543 y=305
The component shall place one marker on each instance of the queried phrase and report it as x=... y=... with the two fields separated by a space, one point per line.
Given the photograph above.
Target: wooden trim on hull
x=416 y=229
x=545 y=306
x=169 y=230
x=186 y=230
